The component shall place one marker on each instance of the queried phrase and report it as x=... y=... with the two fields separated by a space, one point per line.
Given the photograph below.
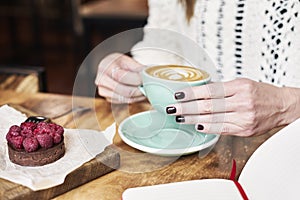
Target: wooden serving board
x=87 y=172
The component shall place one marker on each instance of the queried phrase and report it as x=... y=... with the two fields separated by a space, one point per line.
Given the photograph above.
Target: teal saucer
x=156 y=133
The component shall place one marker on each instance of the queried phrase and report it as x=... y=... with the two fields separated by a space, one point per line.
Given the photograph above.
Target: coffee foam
x=177 y=73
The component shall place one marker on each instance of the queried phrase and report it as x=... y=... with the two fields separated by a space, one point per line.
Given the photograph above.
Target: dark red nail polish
x=179 y=95
x=200 y=127
x=180 y=119
x=171 y=110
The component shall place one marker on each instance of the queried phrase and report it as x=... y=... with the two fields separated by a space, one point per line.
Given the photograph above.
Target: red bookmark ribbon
x=237 y=184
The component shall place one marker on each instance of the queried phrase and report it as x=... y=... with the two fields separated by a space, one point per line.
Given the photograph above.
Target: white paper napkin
x=82 y=145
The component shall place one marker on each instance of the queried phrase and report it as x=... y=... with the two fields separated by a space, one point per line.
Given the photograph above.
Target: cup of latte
x=162 y=81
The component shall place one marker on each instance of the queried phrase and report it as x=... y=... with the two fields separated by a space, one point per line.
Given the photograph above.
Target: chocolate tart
x=37 y=158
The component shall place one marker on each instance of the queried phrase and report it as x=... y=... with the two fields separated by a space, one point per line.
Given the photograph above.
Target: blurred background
x=52 y=37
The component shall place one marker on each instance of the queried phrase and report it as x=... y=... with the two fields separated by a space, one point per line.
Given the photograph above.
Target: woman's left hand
x=241 y=107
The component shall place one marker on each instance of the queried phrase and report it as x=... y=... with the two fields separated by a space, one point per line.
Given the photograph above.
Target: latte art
x=177 y=73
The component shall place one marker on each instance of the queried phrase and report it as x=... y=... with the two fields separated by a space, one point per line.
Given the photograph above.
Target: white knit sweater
x=257 y=39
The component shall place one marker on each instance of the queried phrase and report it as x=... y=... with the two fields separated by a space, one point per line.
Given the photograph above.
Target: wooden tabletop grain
x=137 y=168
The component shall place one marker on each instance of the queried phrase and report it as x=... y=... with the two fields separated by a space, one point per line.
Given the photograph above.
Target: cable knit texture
x=244 y=38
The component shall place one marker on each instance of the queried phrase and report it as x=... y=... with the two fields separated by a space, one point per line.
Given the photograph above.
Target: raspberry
x=27 y=129
x=59 y=129
x=15 y=128
x=8 y=136
x=27 y=133
x=30 y=144
x=56 y=138
x=16 y=141
x=56 y=129
x=52 y=128
x=28 y=125
x=45 y=140
x=13 y=131
x=42 y=128
x=42 y=124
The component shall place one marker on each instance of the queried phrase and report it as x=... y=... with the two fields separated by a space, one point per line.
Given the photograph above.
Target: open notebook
x=272 y=172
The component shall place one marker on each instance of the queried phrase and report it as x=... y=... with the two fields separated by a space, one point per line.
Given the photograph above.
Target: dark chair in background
x=110 y=17
x=14 y=16
x=59 y=34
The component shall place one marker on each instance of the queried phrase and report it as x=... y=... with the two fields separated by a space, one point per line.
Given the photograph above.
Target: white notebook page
x=273 y=171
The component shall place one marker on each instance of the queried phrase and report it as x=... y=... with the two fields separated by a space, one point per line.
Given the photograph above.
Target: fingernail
x=200 y=127
x=180 y=119
x=179 y=95
x=171 y=110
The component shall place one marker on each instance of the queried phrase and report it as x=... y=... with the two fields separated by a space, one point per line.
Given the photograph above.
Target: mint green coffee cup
x=162 y=81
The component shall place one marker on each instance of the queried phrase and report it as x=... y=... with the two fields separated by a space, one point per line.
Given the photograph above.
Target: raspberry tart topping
x=30 y=136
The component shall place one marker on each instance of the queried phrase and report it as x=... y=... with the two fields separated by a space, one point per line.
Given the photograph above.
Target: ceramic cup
x=162 y=81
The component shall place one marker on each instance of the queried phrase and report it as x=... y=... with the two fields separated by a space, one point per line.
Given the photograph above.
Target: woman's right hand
x=118 y=77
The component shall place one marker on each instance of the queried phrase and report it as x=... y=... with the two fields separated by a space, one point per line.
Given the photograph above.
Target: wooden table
x=137 y=168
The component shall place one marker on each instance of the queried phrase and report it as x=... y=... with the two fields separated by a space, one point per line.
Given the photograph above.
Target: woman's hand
x=240 y=107
x=118 y=77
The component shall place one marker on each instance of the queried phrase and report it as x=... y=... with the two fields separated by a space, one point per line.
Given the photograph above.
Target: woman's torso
x=245 y=38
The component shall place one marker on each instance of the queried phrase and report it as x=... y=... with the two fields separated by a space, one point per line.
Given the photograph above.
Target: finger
x=203 y=106
x=106 y=65
x=126 y=77
x=115 y=87
x=123 y=61
x=123 y=100
x=208 y=91
x=108 y=93
x=209 y=118
x=128 y=63
x=105 y=92
x=117 y=60
x=220 y=128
